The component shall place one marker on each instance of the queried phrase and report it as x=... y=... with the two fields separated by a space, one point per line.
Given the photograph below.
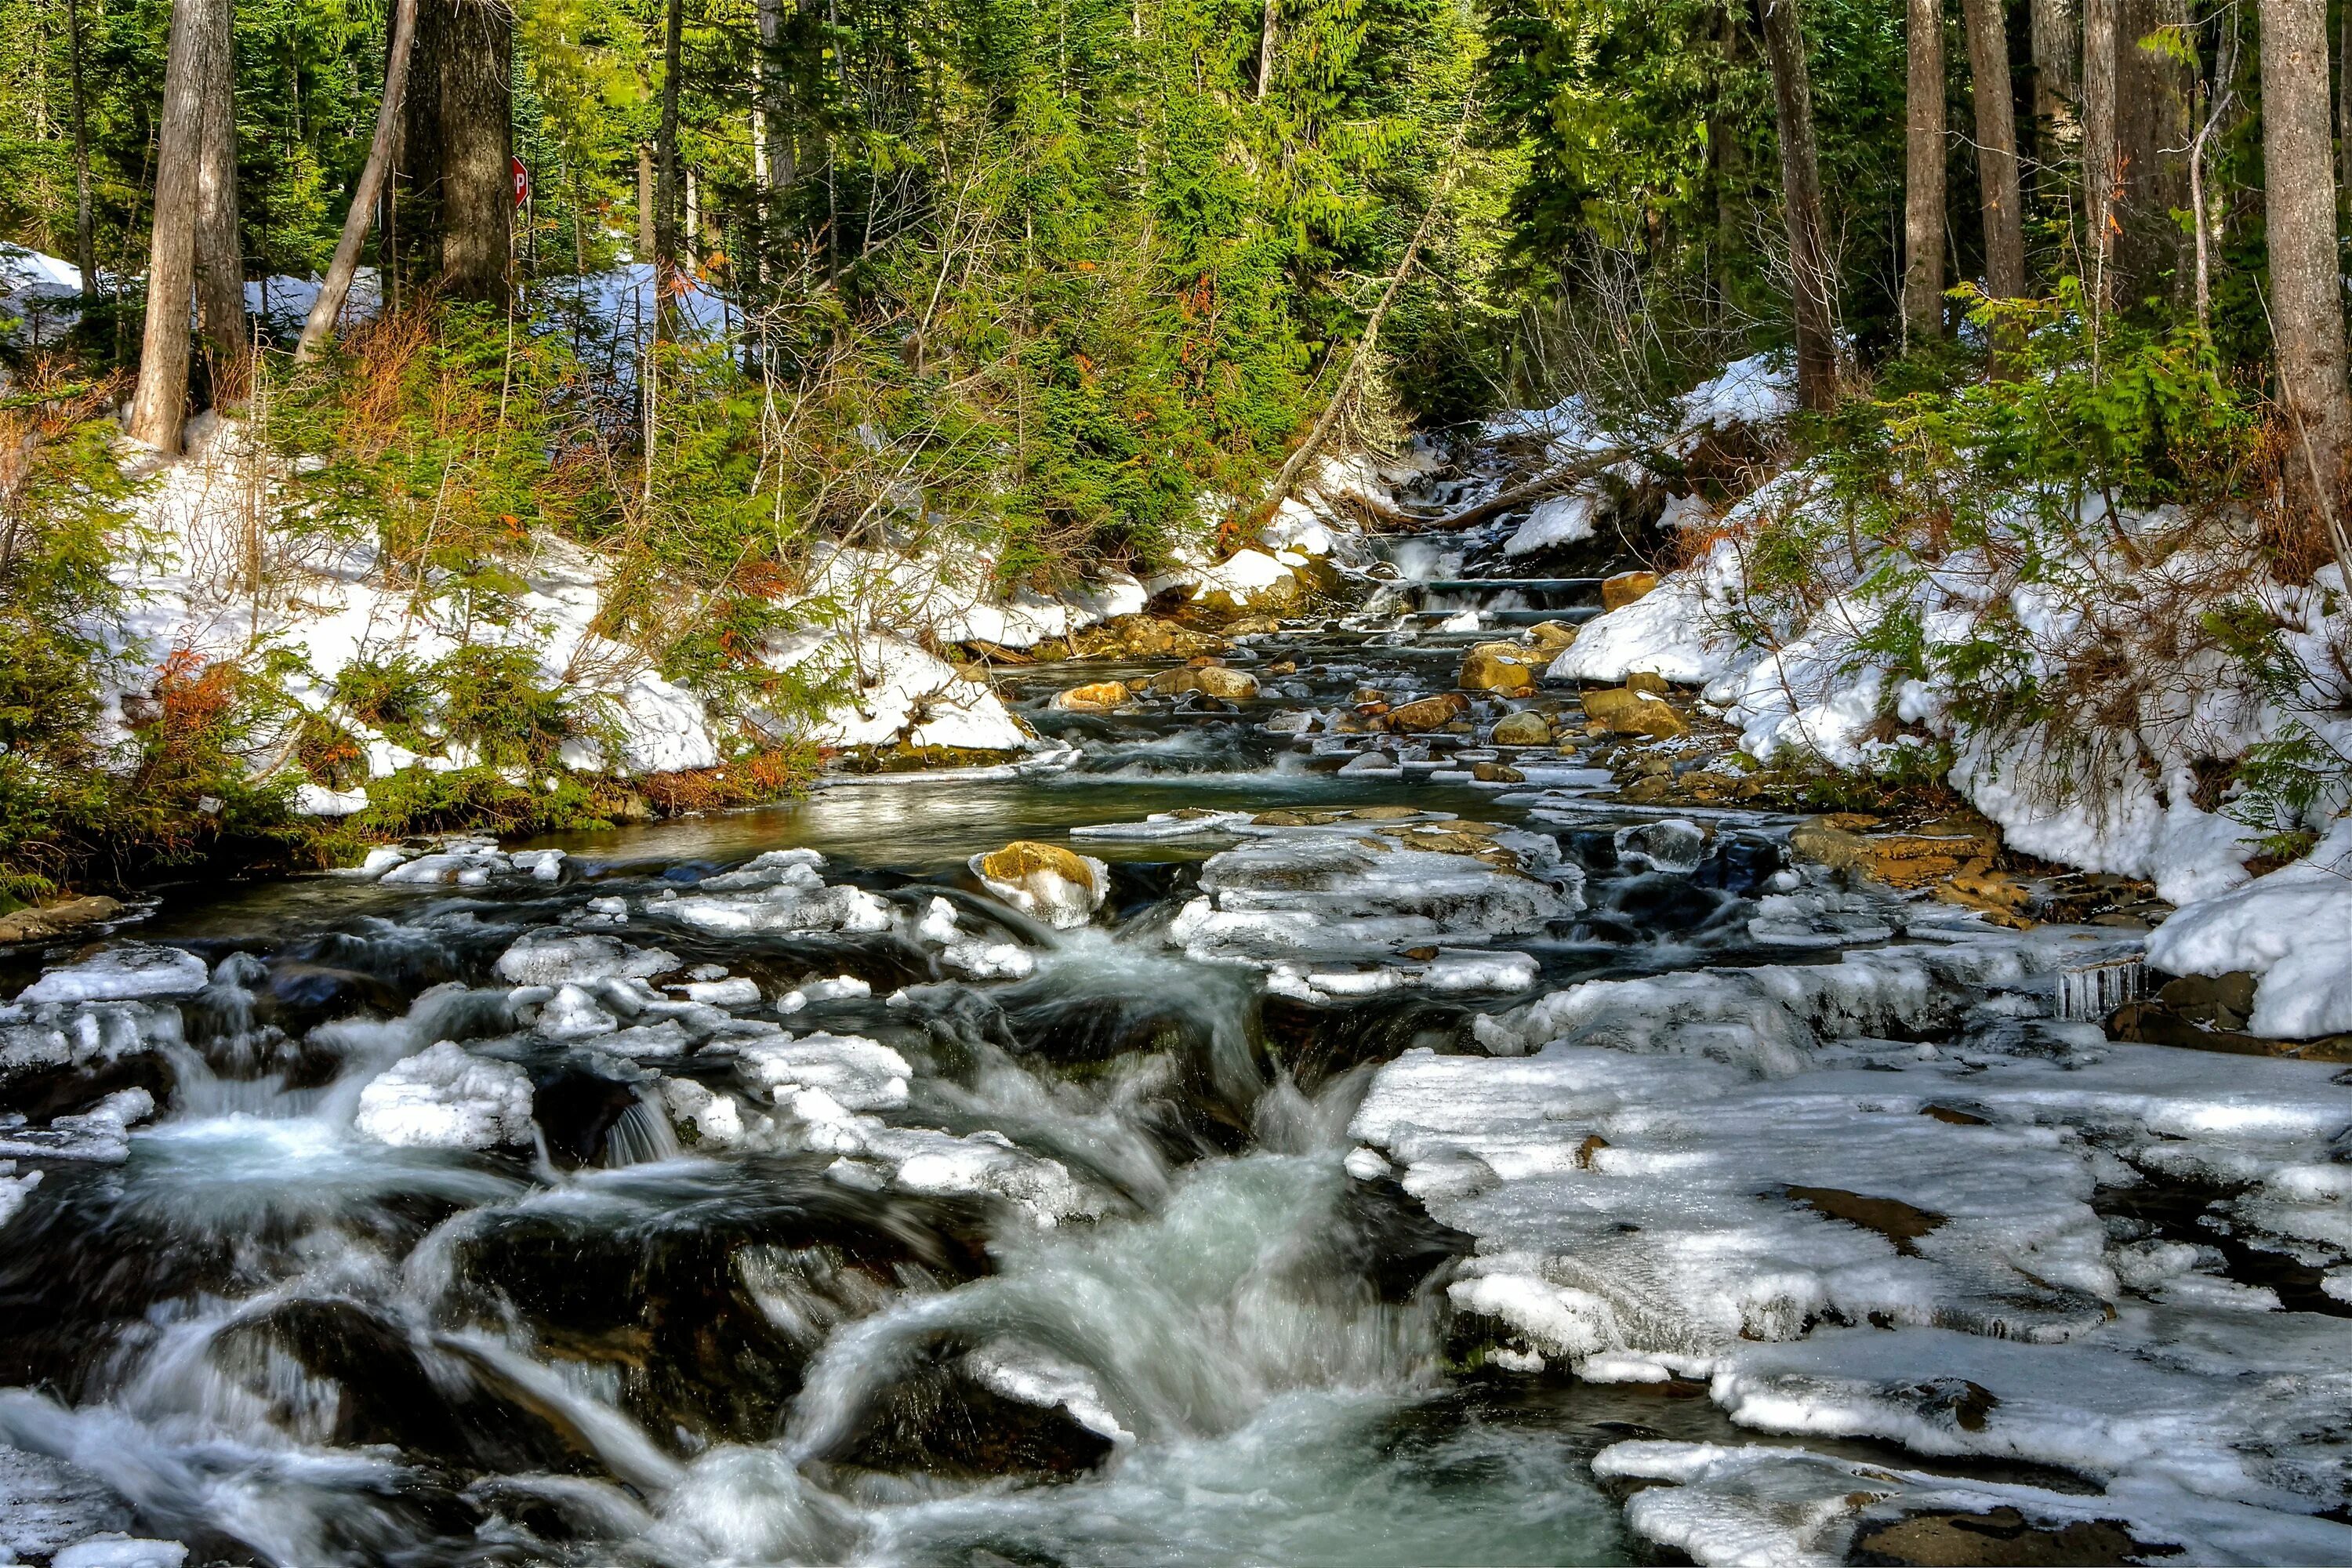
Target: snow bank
x=2292 y=928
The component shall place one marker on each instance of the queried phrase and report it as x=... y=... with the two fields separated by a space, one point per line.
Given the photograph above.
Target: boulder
x=1429 y=713
x=1499 y=666
x=1213 y=681
x=1045 y=881
x=1497 y=773
x=1648 y=681
x=1633 y=713
x=1523 y=730
x=55 y=919
x=1099 y=697
x=1551 y=638
x=1622 y=590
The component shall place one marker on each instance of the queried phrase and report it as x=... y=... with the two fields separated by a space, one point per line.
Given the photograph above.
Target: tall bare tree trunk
x=776 y=100
x=220 y=258
x=159 y=406
x=416 y=194
x=645 y=202
x=2153 y=89
x=2299 y=211
x=85 y=231
x=1266 y=47
x=2099 y=171
x=329 y=305
x=1922 y=185
x=2004 y=223
x=665 y=170
x=2057 y=45
x=1813 y=287
x=478 y=152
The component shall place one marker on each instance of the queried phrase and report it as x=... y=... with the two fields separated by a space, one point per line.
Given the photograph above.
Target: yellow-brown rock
x=1428 y=713
x=1624 y=588
x=1045 y=881
x=1100 y=696
x=1633 y=713
x=1647 y=682
x=1497 y=773
x=1499 y=666
x=1232 y=685
x=1551 y=638
x=1522 y=730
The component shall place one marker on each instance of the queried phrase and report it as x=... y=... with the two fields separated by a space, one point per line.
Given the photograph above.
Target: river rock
x=1648 y=682
x=53 y=919
x=1499 y=666
x=1497 y=773
x=1098 y=696
x=1633 y=713
x=1525 y=729
x=1429 y=712
x=1213 y=681
x=1551 y=638
x=1625 y=588
x=1045 y=881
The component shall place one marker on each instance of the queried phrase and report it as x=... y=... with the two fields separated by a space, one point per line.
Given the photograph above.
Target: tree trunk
x=2056 y=46
x=2343 y=103
x=478 y=152
x=1922 y=188
x=665 y=170
x=1812 y=285
x=2152 y=134
x=329 y=305
x=159 y=405
x=2098 y=145
x=418 y=195
x=220 y=260
x=1266 y=47
x=1996 y=105
x=2299 y=212
x=645 y=202
x=85 y=231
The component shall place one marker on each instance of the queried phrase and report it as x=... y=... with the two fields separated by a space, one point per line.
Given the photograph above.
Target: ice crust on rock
x=554 y=958
x=782 y=891
x=445 y=1097
x=1310 y=890
x=1703 y=1175
x=120 y=974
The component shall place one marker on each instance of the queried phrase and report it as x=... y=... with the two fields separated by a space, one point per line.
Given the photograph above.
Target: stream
x=775 y=1209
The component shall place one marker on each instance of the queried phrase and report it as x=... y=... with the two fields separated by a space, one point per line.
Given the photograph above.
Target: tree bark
x=2152 y=133
x=1996 y=106
x=2057 y=43
x=1812 y=285
x=85 y=231
x=1265 y=48
x=329 y=305
x=666 y=171
x=416 y=245
x=159 y=406
x=220 y=260
x=776 y=100
x=478 y=152
x=2299 y=211
x=1923 y=188
x=2099 y=171
x=645 y=202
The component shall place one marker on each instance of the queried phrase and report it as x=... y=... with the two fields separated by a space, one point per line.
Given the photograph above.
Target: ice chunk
x=446 y=1098
x=855 y=1073
x=780 y=891
x=121 y=1552
x=1045 y=881
x=549 y=958
x=1670 y=845
x=118 y=973
x=737 y=992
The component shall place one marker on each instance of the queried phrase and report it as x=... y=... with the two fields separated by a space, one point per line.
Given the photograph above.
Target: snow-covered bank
x=2120 y=694
x=868 y=623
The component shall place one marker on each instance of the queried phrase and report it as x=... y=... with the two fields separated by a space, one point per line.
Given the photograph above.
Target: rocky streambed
x=1349 y=1101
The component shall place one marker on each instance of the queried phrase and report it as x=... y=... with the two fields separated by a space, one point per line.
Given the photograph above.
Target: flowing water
x=626 y=1339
